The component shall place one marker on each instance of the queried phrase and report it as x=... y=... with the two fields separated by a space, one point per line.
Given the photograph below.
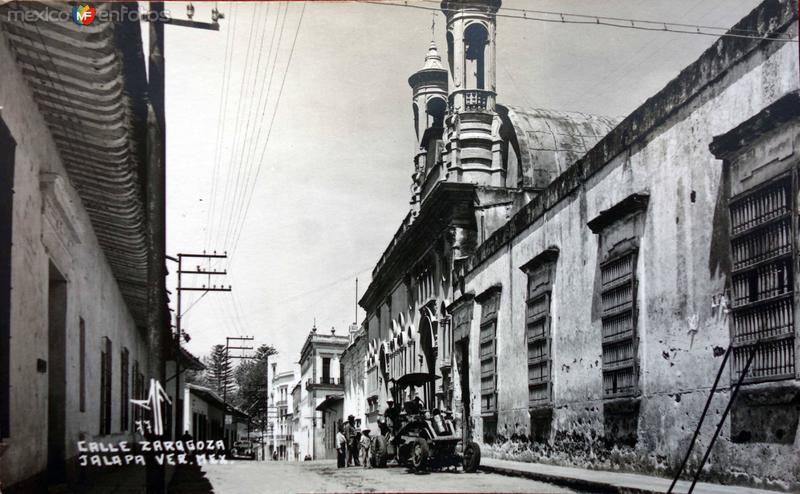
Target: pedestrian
x=341 y=447
x=185 y=438
x=352 y=441
x=365 y=447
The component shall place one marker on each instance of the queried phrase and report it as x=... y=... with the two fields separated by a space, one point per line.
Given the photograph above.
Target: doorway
x=462 y=361
x=56 y=375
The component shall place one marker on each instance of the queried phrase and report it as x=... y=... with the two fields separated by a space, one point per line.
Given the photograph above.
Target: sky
x=312 y=164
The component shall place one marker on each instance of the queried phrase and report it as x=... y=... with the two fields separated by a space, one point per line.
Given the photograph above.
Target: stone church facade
x=575 y=281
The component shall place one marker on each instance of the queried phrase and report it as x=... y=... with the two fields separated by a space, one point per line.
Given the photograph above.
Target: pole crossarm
x=204 y=289
x=200 y=271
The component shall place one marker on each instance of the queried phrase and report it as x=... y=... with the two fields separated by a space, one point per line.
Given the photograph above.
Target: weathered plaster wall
x=56 y=230
x=354 y=378
x=679 y=328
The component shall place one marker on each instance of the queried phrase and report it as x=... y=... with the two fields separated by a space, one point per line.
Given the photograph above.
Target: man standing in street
x=352 y=441
x=365 y=447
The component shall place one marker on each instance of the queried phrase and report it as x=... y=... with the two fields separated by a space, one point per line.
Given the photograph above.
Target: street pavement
x=244 y=477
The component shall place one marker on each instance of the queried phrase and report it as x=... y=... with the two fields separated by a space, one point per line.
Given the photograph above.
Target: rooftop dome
x=432 y=71
x=547 y=142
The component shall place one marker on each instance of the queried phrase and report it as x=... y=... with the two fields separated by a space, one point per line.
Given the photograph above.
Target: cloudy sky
x=305 y=186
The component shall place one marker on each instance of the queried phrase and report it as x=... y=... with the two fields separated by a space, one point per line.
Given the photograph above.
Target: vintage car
x=420 y=438
x=243 y=449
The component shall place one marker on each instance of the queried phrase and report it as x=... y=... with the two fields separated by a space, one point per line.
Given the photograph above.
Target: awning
x=415 y=379
x=328 y=402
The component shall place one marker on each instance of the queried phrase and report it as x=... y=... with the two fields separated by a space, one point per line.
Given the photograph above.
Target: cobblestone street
x=323 y=476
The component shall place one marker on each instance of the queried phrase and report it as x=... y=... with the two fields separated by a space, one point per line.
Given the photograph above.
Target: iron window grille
x=619 y=336
x=762 y=252
x=538 y=335
x=488 y=353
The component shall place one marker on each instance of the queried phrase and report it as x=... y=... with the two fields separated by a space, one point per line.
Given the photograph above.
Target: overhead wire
x=234 y=163
x=260 y=161
x=252 y=149
x=235 y=213
x=616 y=22
x=221 y=111
x=229 y=166
x=251 y=129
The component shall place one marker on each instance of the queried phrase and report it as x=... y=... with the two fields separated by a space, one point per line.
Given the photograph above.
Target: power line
x=269 y=131
x=246 y=186
x=236 y=164
x=237 y=124
x=221 y=110
x=618 y=22
x=263 y=97
x=318 y=288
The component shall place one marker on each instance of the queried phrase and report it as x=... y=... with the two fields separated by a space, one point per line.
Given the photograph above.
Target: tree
x=218 y=371
x=252 y=380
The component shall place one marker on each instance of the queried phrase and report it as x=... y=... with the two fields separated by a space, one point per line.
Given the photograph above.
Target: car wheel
x=419 y=454
x=472 y=457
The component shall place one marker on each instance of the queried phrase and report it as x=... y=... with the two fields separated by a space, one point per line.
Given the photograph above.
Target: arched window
x=450 y=50
x=415 y=109
x=475 y=38
x=435 y=109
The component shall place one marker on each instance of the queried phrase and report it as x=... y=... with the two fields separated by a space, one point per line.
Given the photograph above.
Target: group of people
x=352 y=445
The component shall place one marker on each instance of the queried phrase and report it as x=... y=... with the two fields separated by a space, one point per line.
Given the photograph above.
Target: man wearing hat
x=392 y=414
x=350 y=434
x=365 y=440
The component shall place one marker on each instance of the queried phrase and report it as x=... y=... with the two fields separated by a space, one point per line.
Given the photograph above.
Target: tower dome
x=429 y=104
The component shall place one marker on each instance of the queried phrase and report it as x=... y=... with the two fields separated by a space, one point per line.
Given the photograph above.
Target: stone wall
x=681 y=330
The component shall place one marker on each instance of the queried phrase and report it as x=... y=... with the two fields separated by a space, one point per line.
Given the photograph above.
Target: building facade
x=282 y=441
x=320 y=378
x=82 y=295
x=207 y=416
x=575 y=282
x=354 y=360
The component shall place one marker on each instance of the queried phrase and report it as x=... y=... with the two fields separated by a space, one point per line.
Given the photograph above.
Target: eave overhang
x=90 y=85
x=450 y=204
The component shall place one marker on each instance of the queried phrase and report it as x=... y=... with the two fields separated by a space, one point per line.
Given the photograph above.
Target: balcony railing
x=324 y=381
x=473 y=99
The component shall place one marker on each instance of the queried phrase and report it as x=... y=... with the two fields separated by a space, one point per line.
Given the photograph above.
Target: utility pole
x=156 y=194
x=228 y=356
x=179 y=315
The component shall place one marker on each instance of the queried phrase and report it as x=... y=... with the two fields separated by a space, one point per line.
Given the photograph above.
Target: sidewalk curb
x=569 y=482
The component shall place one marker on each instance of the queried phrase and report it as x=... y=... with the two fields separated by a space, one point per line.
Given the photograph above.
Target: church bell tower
x=429 y=95
x=473 y=141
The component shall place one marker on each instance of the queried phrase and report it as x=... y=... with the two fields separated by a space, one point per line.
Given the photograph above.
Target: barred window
x=618 y=299
x=488 y=352
x=136 y=393
x=105 y=387
x=124 y=396
x=763 y=281
x=537 y=323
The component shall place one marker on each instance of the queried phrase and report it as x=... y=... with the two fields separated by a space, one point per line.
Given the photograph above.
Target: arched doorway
x=427 y=344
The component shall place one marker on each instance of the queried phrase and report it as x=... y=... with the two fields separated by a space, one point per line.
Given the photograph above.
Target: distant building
x=354 y=365
x=296 y=439
x=282 y=441
x=576 y=280
x=320 y=380
x=208 y=417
